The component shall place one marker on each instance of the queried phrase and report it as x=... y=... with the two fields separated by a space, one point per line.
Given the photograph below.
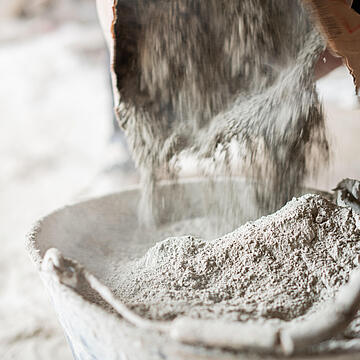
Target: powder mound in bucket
x=281 y=266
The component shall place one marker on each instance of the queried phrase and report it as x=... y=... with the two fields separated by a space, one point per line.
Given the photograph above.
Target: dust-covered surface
x=280 y=267
x=50 y=72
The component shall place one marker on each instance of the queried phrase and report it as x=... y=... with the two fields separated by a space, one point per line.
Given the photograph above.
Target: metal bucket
x=95 y=234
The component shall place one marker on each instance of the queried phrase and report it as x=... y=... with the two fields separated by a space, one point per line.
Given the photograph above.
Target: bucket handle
x=221 y=334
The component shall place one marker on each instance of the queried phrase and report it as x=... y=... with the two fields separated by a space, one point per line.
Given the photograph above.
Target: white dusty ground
x=55 y=121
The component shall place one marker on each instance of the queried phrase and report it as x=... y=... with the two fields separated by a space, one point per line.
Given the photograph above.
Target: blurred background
x=59 y=144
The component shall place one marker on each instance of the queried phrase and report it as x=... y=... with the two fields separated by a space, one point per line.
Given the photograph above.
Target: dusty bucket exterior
x=95 y=234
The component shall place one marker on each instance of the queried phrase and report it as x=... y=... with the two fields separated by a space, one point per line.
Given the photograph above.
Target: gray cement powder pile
x=226 y=81
x=230 y=82
x=280 y=267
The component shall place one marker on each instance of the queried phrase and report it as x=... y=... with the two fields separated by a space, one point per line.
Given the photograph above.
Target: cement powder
x=230 y=83
x=226 y=81
x=279 y=267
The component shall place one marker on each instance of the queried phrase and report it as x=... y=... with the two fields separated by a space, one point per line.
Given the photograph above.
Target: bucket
x=75 y=248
